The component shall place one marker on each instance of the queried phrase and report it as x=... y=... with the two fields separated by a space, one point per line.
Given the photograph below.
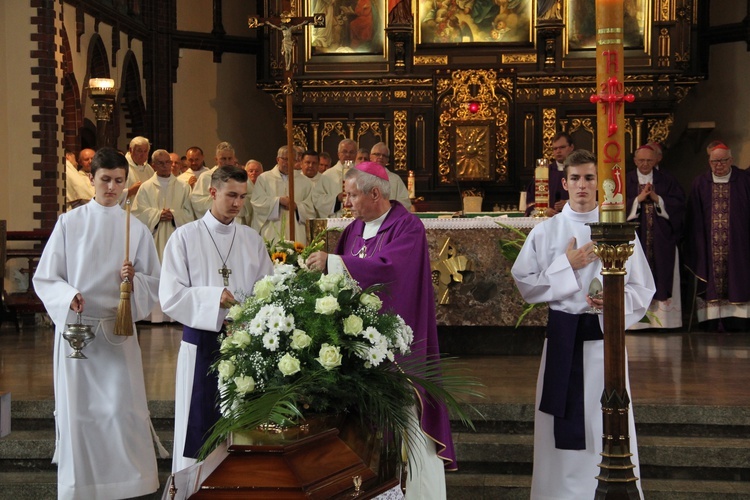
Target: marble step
x=42 y=485
x=517 y=487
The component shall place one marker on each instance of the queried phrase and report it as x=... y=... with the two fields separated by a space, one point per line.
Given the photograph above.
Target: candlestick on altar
x=612 y=236
x=541 y=188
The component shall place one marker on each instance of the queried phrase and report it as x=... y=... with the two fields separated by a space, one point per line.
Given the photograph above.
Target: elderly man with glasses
x=381 y=154
x=657 y=202
x=718 y=242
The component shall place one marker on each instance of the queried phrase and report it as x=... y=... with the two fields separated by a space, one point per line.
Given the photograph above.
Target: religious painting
x=472 y=151
x=352 y=27
x=475 y=21
x=581 y=24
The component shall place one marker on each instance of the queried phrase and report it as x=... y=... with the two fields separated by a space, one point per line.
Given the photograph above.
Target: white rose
x=263 y=289
x=329 y=282
x=235 y=312
x=240 y=338
x=288 y=364
x=327 y=305
x=300 y=339
x=371 y=301
x=226 y=344
x=244 y=384
x=329 y=356
x=353 y=325
x=226 y=369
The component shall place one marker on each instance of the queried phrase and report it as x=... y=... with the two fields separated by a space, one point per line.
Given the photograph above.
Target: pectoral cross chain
x=225 y=272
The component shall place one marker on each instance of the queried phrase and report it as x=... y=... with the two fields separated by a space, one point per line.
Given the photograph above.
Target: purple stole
x=562 y=390
x=649 y=212
x=204 y=405
x=720 y=236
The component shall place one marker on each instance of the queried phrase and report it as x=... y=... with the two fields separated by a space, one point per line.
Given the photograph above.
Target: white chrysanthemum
x=257 y=326
x=271 y=341
x=376 y=355
x=275 y=323
x=288 y=324
x=372 y=334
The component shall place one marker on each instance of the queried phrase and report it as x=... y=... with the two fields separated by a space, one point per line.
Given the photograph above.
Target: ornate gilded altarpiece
x=476 y=109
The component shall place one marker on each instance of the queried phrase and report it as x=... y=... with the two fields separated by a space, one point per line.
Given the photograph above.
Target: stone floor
x=665 y=368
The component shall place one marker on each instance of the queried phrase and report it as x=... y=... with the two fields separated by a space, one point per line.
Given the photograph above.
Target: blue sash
x=562 y=390
x=204 y=402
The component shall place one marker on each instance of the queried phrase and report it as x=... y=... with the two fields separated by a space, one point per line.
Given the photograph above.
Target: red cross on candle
x=612 y=101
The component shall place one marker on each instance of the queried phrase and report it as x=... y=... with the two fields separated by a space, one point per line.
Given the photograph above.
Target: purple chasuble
x=659 y=236
x=704 y=222
x=398 y=257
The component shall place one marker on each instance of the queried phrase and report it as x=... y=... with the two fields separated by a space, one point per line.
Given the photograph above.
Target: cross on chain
x=225 y=272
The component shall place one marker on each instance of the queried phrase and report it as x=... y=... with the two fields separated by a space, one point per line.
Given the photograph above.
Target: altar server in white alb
x=556 y=265
x=209 y=264
x=104 y=438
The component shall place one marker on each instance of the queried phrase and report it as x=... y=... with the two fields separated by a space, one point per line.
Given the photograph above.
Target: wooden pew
x=22 y=302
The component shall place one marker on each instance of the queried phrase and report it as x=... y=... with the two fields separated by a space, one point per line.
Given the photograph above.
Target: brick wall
x=44 y=110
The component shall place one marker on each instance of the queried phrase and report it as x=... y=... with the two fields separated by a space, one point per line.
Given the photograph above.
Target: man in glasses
x=562 y=146
x=718 y=243
x=657 y=202
x=381 y=155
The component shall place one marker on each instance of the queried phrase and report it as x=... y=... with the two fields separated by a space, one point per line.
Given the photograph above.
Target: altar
x=483 y=294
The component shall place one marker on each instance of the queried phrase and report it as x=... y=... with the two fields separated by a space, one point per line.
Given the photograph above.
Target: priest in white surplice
x=196 y=166
x=270 y=199
x=162 y=204
x=208 y=264
x=201 y=197
x=78 y=188
x=556 y=265
x=104 y=446
x=163 y=201
x=140 y=171
x=328 y=195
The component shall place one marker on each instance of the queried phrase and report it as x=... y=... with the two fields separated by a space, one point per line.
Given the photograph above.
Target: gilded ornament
x=399 y=139
x=549 y=117
x=430 y=60
x=613 y=257
x=658 y=131
x=519 y=58
x=447 y=269
x=399 y=94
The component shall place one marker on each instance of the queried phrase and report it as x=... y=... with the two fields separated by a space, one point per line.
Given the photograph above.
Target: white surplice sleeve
x=192 y=305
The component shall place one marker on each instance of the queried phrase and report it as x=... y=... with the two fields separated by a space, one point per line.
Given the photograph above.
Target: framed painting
x=352 y=27
x=580 y=21
x=475 y=21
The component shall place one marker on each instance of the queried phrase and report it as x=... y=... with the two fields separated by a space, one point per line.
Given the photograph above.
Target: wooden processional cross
x=288 y=23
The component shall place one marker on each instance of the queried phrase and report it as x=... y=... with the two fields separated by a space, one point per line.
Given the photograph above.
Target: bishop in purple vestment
x=387 y=245
x=718 y=231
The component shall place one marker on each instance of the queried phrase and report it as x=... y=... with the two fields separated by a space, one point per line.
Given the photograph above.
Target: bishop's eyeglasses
x=721 y=161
